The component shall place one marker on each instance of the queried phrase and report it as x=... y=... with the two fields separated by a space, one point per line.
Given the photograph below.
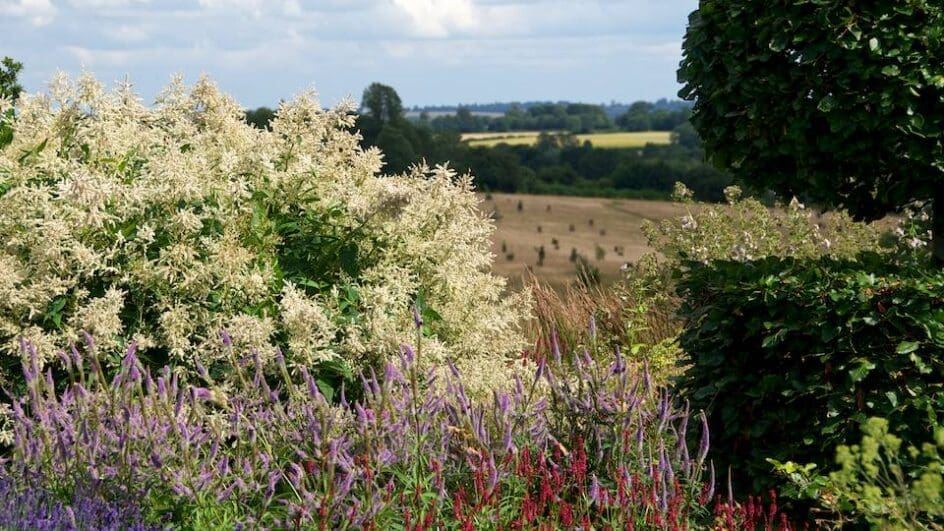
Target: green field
x=599 y=140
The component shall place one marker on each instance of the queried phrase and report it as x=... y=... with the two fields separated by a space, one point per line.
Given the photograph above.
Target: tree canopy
x=382 y=103
x=840 y=101
x=9 y=70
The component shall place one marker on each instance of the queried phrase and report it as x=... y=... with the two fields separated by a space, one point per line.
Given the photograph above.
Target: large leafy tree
x=838 y=100
x=382 y=103
x=9 y=87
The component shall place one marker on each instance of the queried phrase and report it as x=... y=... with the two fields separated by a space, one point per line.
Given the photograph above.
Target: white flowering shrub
x=746 y=229
x=166 y=224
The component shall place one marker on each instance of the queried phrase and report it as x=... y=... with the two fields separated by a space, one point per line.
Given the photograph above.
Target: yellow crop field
x=598 y=140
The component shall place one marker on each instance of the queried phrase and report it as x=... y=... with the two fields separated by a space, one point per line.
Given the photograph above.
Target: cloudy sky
x=431 y=51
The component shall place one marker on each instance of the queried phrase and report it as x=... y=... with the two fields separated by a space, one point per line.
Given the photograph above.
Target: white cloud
x=127 y=33
x=255 y=8
x=100 y=4
x=440 y=18
x=91 y=58
x=38 y=12
x=264 y=49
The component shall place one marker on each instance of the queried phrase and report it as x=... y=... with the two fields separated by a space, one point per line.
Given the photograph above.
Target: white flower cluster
x=745 y=229
x=156 y=223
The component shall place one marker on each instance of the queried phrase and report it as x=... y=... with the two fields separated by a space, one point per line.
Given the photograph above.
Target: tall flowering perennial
x=578 y=443
x=746 y=229
x=164 y=224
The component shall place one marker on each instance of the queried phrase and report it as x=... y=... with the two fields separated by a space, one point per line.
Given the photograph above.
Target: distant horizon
x=407 y=107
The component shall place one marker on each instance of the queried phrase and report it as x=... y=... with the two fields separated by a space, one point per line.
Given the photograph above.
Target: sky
x=431 y=51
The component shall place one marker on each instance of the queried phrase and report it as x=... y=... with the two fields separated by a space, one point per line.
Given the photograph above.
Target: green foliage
x=260 y=118
x=382 y=103
x=9 y=87
x=791 y=355
x=878 y=481
x=843 y=101
x=572 y=117
x=643 y=116
x=889 y=489
x=746 y=229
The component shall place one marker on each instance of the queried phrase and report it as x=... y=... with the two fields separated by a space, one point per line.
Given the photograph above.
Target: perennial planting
x=164 y=224
x=207 y=325
x=577 y=444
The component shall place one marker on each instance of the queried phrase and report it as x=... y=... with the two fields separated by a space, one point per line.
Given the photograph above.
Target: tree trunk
x=937 y=225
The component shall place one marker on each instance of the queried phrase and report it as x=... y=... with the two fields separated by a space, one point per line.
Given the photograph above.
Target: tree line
x=576 y=118
x=556 y=164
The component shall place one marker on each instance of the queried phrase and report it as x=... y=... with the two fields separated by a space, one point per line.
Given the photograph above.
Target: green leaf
x=891 y=70
x=325 y=388
x=873 y=44
x=892 y=398
x=826 y=104
x=862 y=370
x=907 y=347
x=32 y=153
x=6 y=135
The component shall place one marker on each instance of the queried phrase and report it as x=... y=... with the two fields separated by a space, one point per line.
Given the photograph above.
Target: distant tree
x=382 y=103
x=840 y=101
x=397 y=149
x=9 y=70
x=260 y=118
x=685 y=135
x=637 y=118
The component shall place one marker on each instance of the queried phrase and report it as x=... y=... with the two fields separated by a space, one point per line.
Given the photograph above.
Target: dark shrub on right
x=790 y=356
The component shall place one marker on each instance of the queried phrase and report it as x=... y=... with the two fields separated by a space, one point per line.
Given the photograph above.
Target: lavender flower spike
x=705 y=436
x=227 y=340
x=555 y=346
x=417 y=318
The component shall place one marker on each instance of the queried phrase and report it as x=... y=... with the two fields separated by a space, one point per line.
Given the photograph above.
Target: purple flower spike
x=711 y=482
x=200 y=393
x=227 y=341
x=595 y=490
x=132 y=350
x=705 y=436
x=76 y=357
x=65 y=360
x=593 y=327
x=539 y=372
x=408 y=353
x=452 y=368
x=89 y=342
x=417 y=318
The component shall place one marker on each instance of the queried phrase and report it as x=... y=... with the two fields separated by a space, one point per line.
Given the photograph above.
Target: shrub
x=746 y=229
x=791 y=355
x=579 y=442
x=877 y=481
x=165 y=224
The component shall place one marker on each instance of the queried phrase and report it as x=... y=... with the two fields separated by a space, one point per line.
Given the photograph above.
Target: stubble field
x=607 y=232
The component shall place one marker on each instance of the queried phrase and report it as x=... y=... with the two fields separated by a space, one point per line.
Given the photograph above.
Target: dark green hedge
x=789 y=356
